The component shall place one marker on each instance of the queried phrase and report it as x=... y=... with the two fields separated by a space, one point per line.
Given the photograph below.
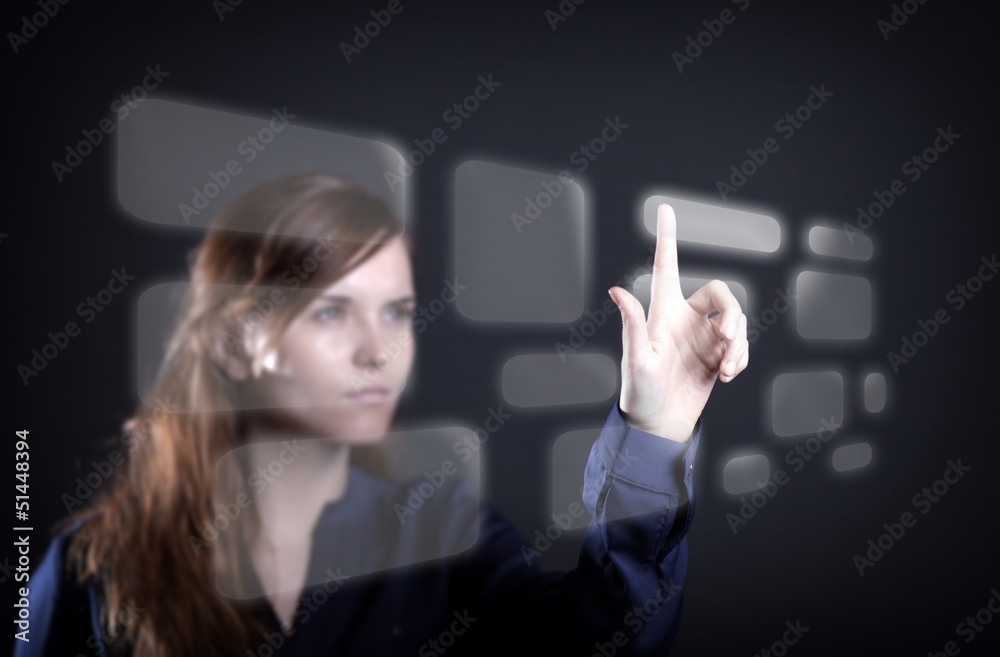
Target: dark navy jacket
x=623 y=598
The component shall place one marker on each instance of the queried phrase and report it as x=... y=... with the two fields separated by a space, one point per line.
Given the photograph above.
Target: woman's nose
x=368 y=349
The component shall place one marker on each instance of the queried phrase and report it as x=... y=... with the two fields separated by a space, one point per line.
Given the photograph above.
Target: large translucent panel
x=520 y=244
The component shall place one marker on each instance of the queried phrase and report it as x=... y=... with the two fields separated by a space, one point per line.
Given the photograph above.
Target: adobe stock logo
x=363 y=37
x=895 y=531
x=249 y=148
x=958 y=297
x=94 y=137
x=785 y=126
x=30 y=26
x=87 y=310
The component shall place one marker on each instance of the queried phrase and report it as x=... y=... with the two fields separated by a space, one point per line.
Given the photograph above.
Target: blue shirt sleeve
x=625 y=595
x=60 y=609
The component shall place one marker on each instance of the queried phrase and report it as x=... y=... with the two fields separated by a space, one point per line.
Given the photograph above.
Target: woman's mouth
x=370 y=395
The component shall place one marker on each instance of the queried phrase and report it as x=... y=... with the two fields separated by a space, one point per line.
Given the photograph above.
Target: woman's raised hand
x=671 y=359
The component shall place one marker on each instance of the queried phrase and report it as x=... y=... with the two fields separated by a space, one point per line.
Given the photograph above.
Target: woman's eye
x=401 y=313
x=329 y=313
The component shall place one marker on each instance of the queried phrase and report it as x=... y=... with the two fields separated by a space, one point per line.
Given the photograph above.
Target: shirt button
x=396 y=630
x=691 y=467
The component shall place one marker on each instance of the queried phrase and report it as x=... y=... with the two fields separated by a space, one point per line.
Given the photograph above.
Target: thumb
x=635 y=339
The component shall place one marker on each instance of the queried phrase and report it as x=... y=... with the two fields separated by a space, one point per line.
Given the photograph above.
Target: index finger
x=666 y=284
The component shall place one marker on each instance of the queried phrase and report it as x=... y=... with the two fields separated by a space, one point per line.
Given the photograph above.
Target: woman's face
x=343 y=361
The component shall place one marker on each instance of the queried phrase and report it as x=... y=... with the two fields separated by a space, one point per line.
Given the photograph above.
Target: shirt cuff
x=648 y=460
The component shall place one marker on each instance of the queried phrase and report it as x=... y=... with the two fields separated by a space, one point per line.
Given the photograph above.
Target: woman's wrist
x=678 y=428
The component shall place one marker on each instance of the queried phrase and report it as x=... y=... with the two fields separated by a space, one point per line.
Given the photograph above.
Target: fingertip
x=666 y=220
x=733 y=326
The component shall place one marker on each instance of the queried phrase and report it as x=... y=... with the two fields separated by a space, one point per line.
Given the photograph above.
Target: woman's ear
x=230 y=354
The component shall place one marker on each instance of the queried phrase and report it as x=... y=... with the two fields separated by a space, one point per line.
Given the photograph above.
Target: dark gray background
x=794 y=560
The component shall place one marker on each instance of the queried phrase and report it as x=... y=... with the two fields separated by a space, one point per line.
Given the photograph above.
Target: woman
x=305 y=375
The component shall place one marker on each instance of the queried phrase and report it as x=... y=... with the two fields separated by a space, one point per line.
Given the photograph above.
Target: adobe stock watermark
x=93 y=137
x=31 y=24
x=544 y=539
x=249 y=148
x=782 y=303
x=562 y=12
x=102 y=470
x=446 y=639
x=912 y=168
x=464 y=449
x=958 y=297
x=259 y=480
x=796 y=458
x=291 y=279
x=454 y=116
x=637 y=617
x=970 y=628
x=86 y=310
x=309 y=604
x=696 y=45
x=785 y=126
x=581 y=159
x=223 y=7
x=896 y=530
x=127 y=614
x=788 y=638
x=363 y=34
x=6 y=570
x=424 y=316
x=595 y=319
x=562 y=521
x=897 y=17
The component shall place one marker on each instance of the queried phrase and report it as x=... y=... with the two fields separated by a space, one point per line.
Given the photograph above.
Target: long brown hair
x=135 y=540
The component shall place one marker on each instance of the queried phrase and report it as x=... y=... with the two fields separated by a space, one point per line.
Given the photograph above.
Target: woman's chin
x=360 y=428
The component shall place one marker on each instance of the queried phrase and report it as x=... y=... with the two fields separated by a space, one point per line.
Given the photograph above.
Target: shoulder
x=58 y=606
x=53 y=573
